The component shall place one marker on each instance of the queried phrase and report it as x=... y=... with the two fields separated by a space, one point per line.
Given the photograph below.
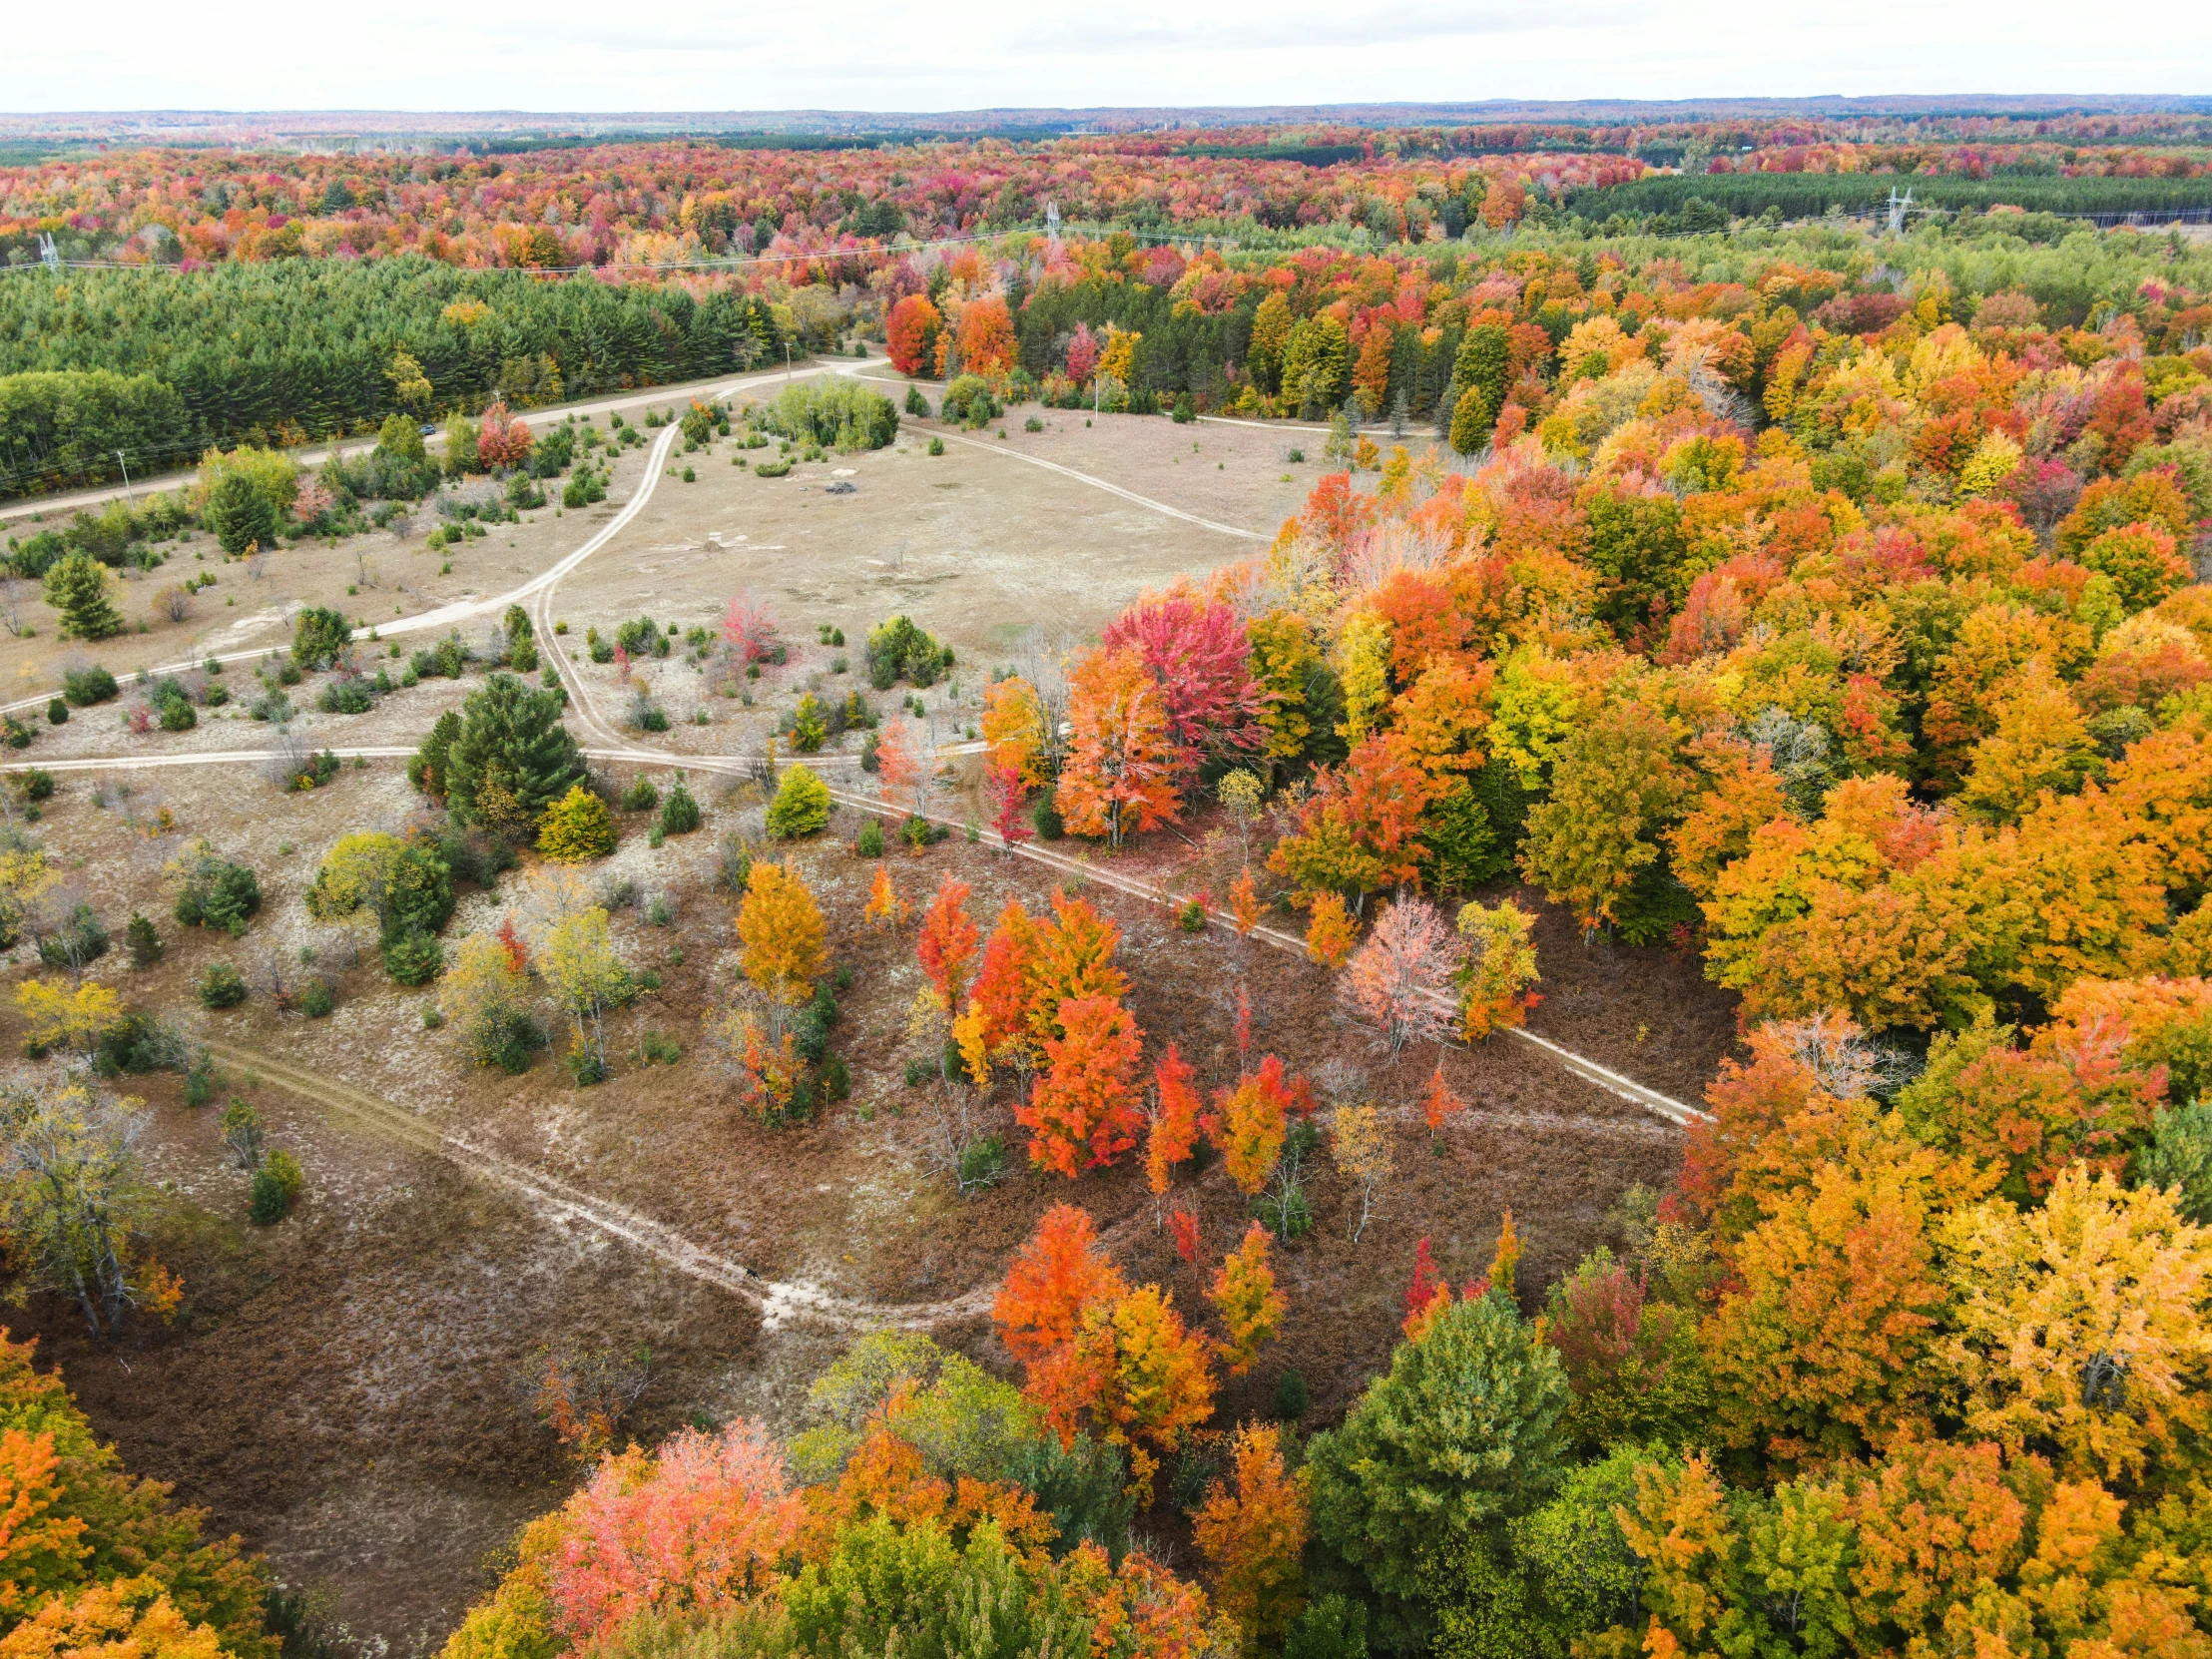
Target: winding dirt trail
x=779 y=1301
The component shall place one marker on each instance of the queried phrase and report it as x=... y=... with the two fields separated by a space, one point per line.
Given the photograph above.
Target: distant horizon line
x=1414 y=112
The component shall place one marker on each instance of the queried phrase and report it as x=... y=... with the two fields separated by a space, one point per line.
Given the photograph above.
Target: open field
x=351 y=1389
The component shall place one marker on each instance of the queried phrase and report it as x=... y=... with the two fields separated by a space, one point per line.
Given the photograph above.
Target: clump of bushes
x=221 y=986
x=898 y=650
x=217 y=894
x=276 y=1188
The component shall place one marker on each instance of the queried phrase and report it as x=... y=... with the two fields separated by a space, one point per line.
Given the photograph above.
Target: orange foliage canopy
x=1083 y=1112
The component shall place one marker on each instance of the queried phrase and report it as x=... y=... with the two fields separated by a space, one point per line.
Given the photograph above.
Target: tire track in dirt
x=779 y=1302
x=1215 y=525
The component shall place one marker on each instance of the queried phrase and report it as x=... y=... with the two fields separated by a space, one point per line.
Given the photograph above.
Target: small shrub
x=576 y=826
x=266 y=1206
x=837 y=1078
x=1032 y=424
x=733 y=865
x=77 y=941
x=1292 y=1396
x=1284 y=1211
x=217 y=894
x=414 y=958
x=221 y=986
x=86 y=686
x=983 y=1165
x=319 y=637
x=136 y=1044
x=641 y=796
x=919 y=833
x=317 y=999
x=276 y=1188
x=937 y=446
x=1192 y=917
x=57 y=711
x=1045 y=817
x=870 y=842
x=801 y=807
x=36 y=783
x=680 y=812
x=145 y=945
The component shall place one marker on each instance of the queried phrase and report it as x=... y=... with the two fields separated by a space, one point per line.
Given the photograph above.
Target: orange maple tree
x=946 y=943
x=1082 y=1112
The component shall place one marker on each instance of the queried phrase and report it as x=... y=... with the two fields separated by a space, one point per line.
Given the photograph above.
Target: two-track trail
x=565 y=1204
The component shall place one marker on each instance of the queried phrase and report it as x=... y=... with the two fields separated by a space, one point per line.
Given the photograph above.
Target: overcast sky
x=896 y=55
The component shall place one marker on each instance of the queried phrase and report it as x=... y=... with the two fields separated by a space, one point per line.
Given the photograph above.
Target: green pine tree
x=78 y=588
x=512 y=733
x=1458 y=1440
x=240 y=515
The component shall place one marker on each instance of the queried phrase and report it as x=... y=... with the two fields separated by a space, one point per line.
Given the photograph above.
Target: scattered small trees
x=946 y=946
x=781 y=933
x=55 y=1018
x=1252 y=1527
x=1082 y=1113
x=1122 y=762
x=1499 y=968
x=485 y=996
x=1362 y=1152
x=1244 y=1295
x=577 y=957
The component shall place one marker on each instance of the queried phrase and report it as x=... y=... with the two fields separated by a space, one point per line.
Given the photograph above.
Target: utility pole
x=126 y=466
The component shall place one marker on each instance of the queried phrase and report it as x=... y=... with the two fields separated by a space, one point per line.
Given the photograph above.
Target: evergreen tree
x=78 y=588
x=576 y=826
x=511 y=743
x=240 y=515
x=1459 y=1439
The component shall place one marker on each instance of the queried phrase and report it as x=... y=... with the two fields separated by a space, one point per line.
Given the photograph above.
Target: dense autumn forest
x=1815 y=603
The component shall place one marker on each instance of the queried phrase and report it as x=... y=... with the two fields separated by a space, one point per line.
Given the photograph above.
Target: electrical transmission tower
x=48 y=251
x=1898 y=206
